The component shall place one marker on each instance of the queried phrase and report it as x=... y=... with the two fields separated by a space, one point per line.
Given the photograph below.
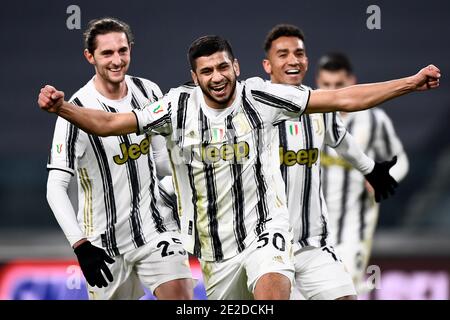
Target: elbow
x=50 y=195
x=341 y=101
x=348 y=101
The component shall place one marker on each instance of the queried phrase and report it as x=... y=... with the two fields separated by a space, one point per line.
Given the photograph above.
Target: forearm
x=58 y=199
x=98 y=122
x=352 y=152
x=399 y=171
x=161 y=156
x=358 y=97
x=364 y=96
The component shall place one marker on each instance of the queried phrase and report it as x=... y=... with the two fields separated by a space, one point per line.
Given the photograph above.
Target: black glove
x=92 y=262
x=381 y=181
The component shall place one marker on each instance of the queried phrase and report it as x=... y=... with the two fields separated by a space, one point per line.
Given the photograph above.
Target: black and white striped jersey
x=222 y=171
x=119 y=202
x=348 y=200
x=299 y=147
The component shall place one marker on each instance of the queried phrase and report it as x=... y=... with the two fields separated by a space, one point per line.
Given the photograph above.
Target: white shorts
x=356 y=258
x=159 y=261
x=320 y=274
x=236 y=278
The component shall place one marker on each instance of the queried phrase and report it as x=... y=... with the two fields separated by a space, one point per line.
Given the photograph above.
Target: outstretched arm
x=365 y=96
x=353 y=154
x=96 y=122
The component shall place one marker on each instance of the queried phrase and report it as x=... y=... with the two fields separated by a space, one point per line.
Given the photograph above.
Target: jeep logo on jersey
x=226 y=152
x=133 y=152
x=303 y=157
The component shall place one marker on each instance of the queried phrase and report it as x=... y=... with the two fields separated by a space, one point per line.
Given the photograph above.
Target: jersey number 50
x=277 y=241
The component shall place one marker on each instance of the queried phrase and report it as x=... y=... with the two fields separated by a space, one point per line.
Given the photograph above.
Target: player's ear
x=352 y=80
x=89 y=56
x=237 y=69
x=306 y=63
x=194 y=77
x=267 y=66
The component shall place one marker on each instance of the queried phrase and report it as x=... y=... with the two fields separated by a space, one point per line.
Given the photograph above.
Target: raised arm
x=365 y=96
x=100 y=123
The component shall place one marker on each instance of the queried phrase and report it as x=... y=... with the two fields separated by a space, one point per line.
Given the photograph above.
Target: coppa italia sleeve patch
x=157 y=108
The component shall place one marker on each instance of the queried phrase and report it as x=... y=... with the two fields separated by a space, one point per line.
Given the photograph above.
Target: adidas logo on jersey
x=278 y=259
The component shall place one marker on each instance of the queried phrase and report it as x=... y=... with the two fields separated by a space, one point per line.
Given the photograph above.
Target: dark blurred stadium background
x=412 y=243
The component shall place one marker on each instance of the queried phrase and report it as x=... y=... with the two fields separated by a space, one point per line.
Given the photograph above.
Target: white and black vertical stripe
x=364 y=194
x=306 y=199
x=323 y=239
x=387 y=141
x=181 y=117
x=181 y=125
x=71 y=139
x=170 y=201
x=134 y=102
x=211 y=191
x=334 y=127
x=257 y=127
x=324 y=179
x=237 y=191
x=345 y=192
x=362 y=218
x=108 y=194
x=197 y=245
x=282 y=137
x=140 y=85
x=156 y=215
x=135 y=219
x=373 y=127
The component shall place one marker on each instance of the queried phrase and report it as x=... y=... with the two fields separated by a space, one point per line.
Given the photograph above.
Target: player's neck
x=112 y=91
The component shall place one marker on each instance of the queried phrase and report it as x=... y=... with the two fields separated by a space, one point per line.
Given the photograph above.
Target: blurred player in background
x=219 y=136
x=121 y=217
x=350 y=199
x=320 y=274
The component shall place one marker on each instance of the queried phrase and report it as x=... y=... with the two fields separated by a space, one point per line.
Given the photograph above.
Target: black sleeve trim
x=137 y=123
x=307 y=102
x=71 y=173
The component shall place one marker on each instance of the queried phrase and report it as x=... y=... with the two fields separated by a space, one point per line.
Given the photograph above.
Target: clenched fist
x=427 y=78
x=50 y=99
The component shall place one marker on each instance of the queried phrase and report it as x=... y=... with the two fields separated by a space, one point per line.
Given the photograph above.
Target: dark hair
x=104 y=26
x=206 y=46
x=335 y=61
x=282 y=30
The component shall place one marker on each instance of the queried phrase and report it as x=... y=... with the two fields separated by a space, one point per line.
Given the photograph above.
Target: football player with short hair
x=219 y=139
